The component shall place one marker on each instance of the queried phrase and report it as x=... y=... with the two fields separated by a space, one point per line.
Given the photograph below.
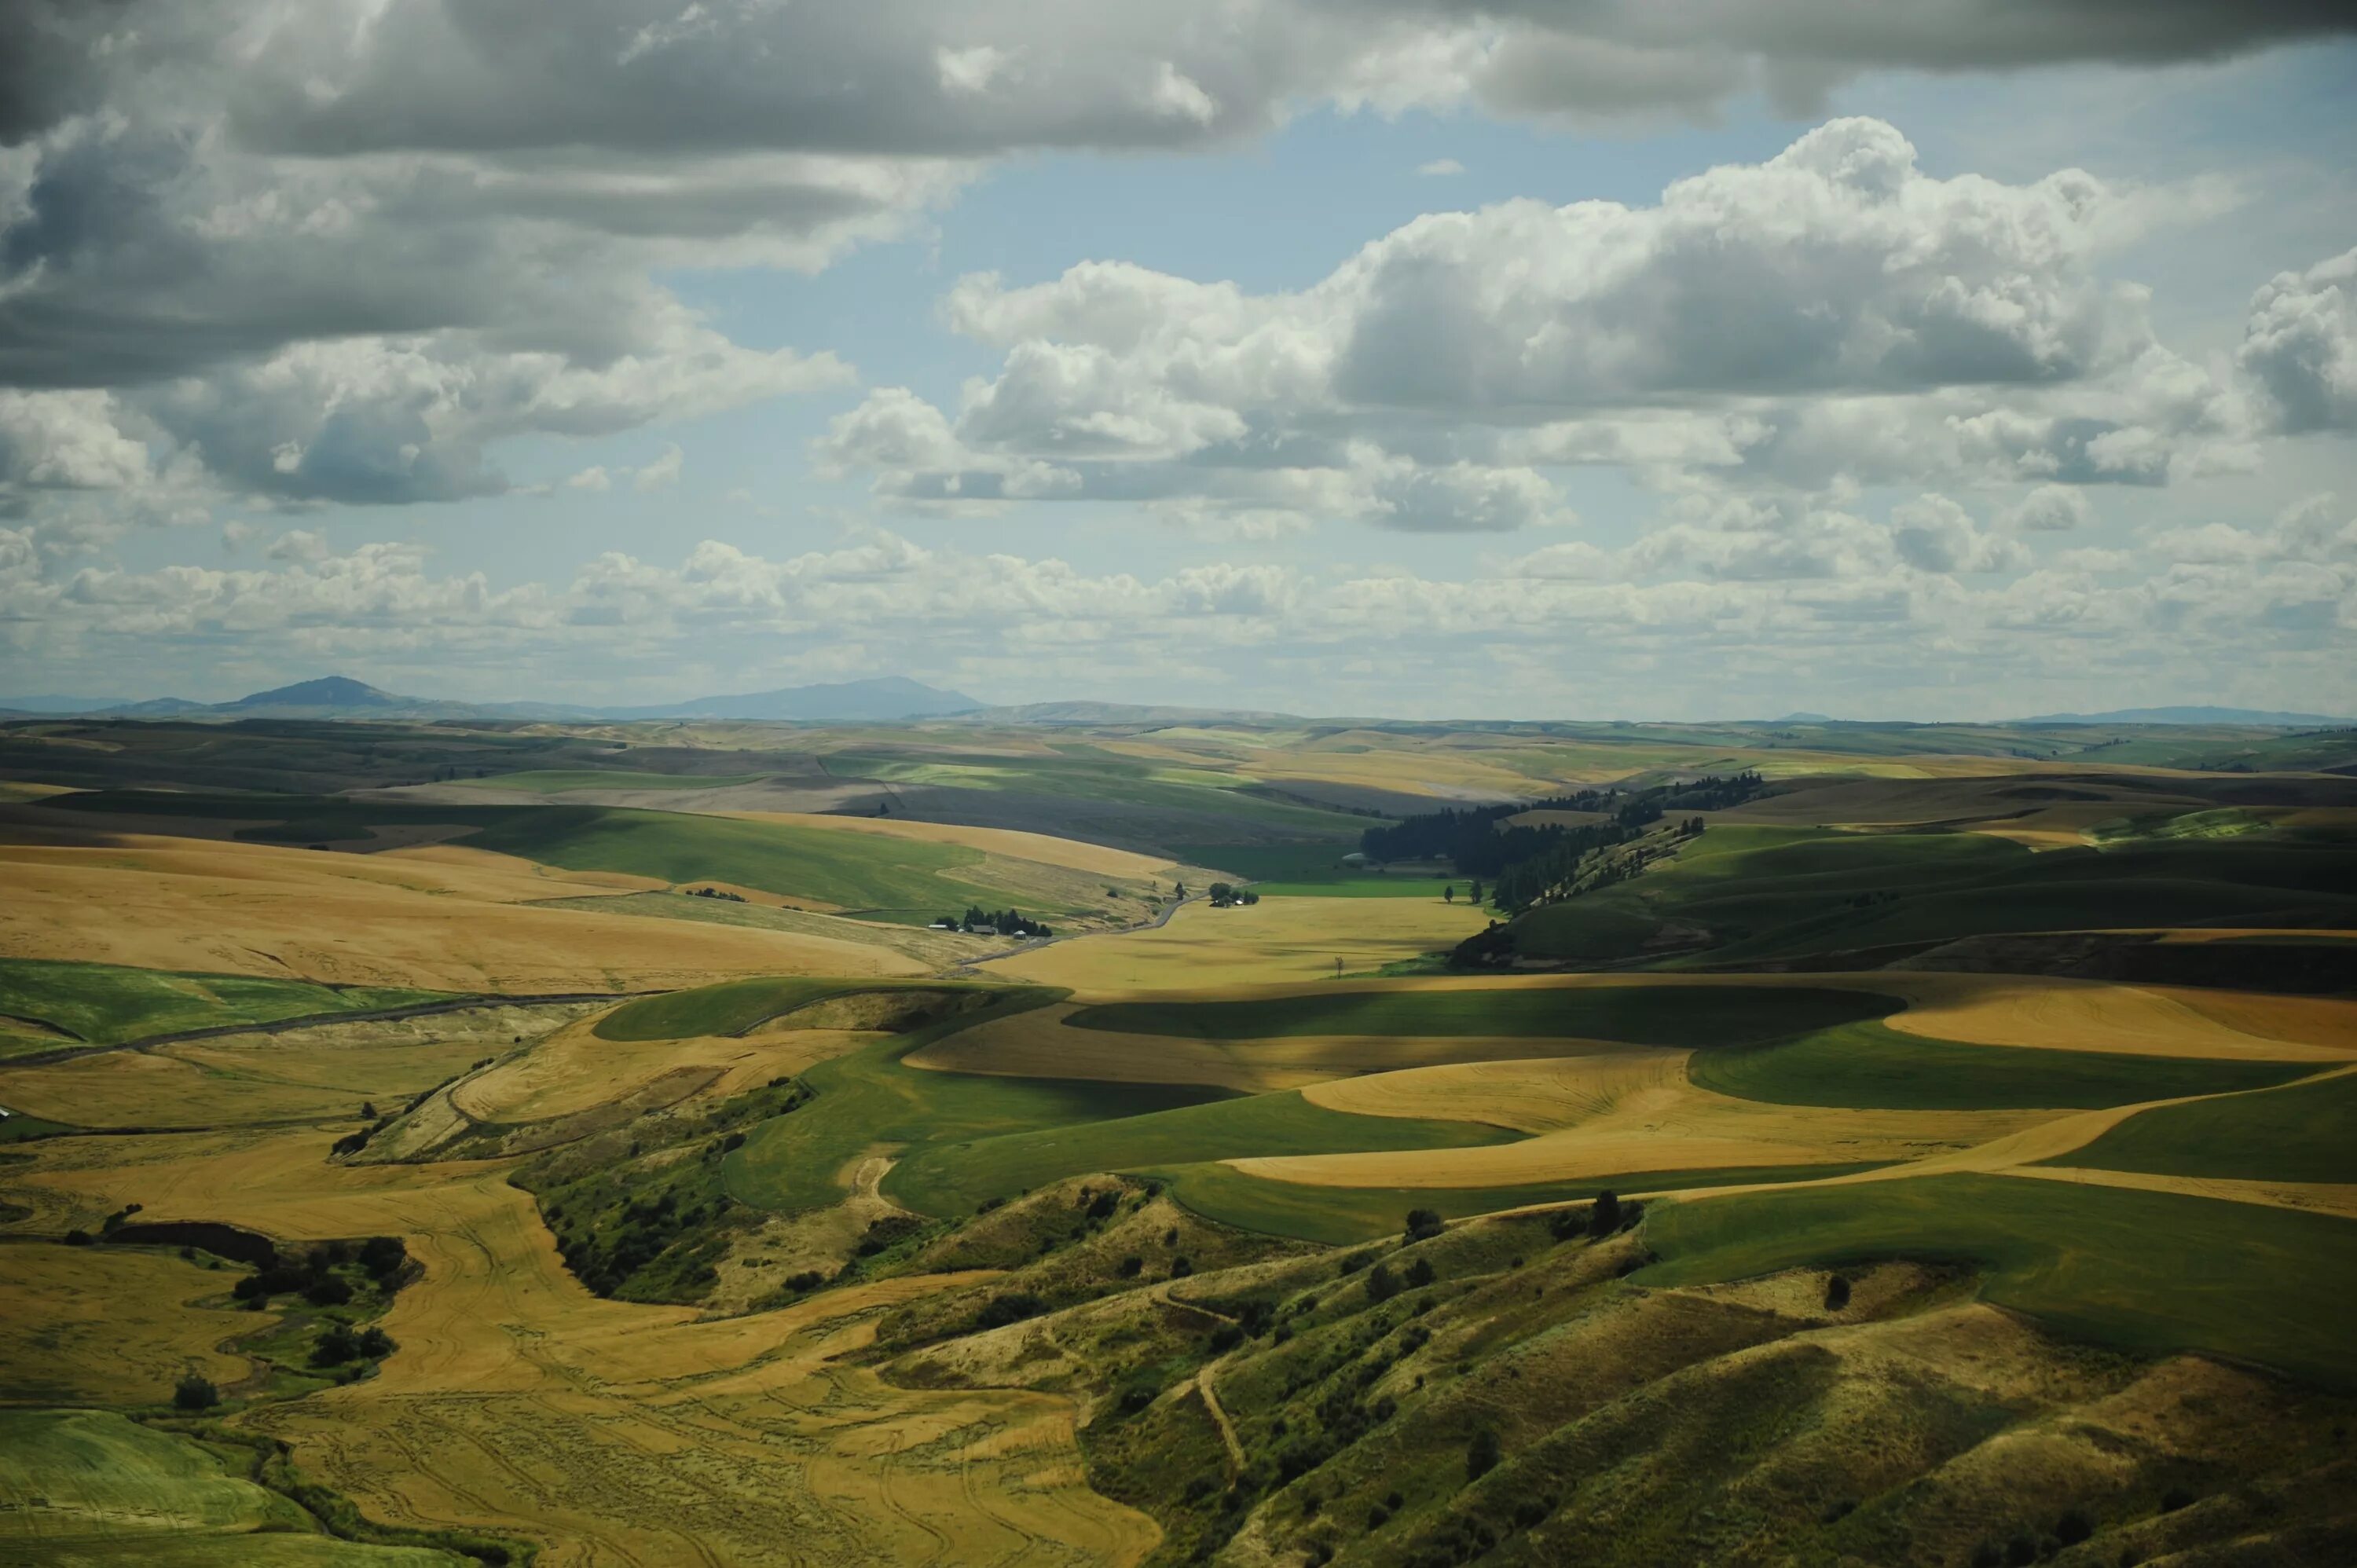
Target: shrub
x=2021 y=1550
x=1013 y=1307
x=376 y=1344
x=807 y=1280
x=78 y=1238
x=1130 y=1266
x=1481 y=1454
x=1419 y=1274
x=1604 y=1214
x=1988 y=1554
x=2075 y=1526
x=2174 y=1498
x=1226 y=1337
x=326 y=1291
x=1422 y=1224
x=195 y=1392
x=1836 y=1294
x=334 y=1346
x=1381 y=1285
x=1377 y=1516
x=1180 y=1267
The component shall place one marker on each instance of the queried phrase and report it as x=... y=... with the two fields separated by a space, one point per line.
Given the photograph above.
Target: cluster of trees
x=979 y=921
x=714 y=893
x=1225 y=894
x=319 y=1276
x=1526 y=864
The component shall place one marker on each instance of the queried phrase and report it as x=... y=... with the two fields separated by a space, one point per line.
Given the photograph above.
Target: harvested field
x=111 y=1326
x=388 y=919
x=1041 y=1044
x=1648 y=1120
x=2094 y=1015
x=1274 y=939
x=1010 y=842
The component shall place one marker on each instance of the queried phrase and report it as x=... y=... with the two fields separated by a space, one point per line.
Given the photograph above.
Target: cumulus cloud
x=2049 y=508
x=2300 y=346
x=1833 y=315
x=1936 y=535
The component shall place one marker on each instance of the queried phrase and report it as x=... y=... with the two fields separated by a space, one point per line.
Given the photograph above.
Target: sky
x=1681 y=359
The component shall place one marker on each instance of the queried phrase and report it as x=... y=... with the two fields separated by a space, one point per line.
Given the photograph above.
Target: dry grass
x=108 y=1326
x=1011 y=842
x=619 y=1432
x=574 y=1070
x=1276 y=940
x=1613 y=1114
x=442 y=918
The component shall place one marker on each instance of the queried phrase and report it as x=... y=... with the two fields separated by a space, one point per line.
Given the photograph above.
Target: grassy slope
x=1769 y=893
x=946 y=1178
x=1870 y=1067
x=112 y=1491
x=559 y=780
x=1639 y=1014
x=2148 y=1271
x=903 y=879
x=868 y=1098
x=106 y=1004
x=728 y=1008
x=2301 y=1132
x=1342 y=1215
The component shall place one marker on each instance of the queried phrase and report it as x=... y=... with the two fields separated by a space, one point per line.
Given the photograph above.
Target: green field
x=1776 y=894
x=946 y=1178
x=108 y=1004
x=563 y=780
x=1368 y=888
x=1638 y=1014
x=2306 y=1132
x=1871 y=1067
x=869 y=1099
x=94 y=1487
x=2146 y=1271
x=730 y=1007
x=1343 y=1215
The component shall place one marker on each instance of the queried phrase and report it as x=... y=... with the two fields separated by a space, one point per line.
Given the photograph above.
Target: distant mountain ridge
x=2189 y=716
x=882 y=699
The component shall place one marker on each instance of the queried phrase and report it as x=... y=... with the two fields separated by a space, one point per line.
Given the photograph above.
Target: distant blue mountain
x=2195 y=715
x=881 y=700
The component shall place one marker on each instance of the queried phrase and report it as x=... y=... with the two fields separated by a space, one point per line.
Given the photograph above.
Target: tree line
x=1527 y=863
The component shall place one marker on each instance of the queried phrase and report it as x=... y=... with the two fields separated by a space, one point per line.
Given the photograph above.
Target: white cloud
x=2049 y=508
x=2300 y=345
x=1440 y=167
x=660 y=473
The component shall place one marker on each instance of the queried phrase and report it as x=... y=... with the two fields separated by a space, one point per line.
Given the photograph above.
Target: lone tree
x=195 y=1392
x=1836 y=1294
x=1423 y=1224
x=1604 y=1215
x=1481 y=1454
x=1448 y=894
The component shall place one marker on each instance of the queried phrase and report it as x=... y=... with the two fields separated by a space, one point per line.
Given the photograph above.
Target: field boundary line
x=317 y=1020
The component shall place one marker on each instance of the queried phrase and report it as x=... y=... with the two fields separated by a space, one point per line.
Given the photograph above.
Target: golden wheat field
x=84 y=1325
x=440 y=919
x=1275 y=941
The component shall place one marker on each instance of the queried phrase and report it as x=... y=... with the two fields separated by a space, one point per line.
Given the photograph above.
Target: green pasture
x=107 y=1005
x=869 y=1098
x=2147 y=1272
x=564 y=781
x=945 y=1178
x=1871 y=1067
x=2302 y=1132
x=1343 y=1215
x=92 y=1488
x=1778 y=894
x=1638 y=1014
